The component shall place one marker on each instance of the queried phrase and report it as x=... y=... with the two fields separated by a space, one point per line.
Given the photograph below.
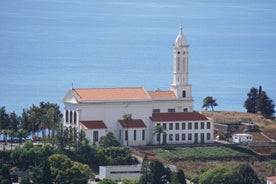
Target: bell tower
x=180 y=85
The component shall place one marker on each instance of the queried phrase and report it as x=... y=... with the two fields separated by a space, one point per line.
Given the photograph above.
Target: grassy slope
x=266 y=125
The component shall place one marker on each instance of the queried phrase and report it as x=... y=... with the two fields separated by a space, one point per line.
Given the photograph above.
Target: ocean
x=48 y=46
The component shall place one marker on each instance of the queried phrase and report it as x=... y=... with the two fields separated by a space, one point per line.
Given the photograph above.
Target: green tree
x=209 y=101
x=128 y=181
x=46 y=172
x=21 y=135
x=217 y=175
x=108 y=140
x=45 y=116
x=107 y=181
x=181 y=177
x=265 y=105
x=4 y=118
x=271 y=165
x=25 y=124
x=145 y=177
x=245 y=174
x=127 y=118
x=252 y=99
x=66 y=171
x=158 y=130
x=14 y=122
x=159 y=174
x=5 y=174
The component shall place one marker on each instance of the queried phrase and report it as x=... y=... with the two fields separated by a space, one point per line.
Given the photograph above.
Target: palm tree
x=5 y=132
x=209 y=101
x=22 y=134
x=127 y=118
x=158 y=130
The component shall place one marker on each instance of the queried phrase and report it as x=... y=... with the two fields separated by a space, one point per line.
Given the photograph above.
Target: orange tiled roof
x=271 y=178
x=178 y=116
x=162 y=94
x=93 y=124
x=135 y=123
x=111 y=94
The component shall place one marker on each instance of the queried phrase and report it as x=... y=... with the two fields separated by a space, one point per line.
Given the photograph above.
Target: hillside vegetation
x=267 y=126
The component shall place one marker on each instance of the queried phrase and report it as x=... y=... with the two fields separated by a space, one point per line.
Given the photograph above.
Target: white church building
x=98 y=111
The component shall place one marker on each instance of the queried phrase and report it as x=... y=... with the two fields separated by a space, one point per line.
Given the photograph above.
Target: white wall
x=120 y=172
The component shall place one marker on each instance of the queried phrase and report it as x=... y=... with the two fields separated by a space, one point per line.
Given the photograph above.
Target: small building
x=242 y=138
x=120 y=172
x=271 y=180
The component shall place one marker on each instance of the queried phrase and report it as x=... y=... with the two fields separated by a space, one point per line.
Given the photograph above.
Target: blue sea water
x=46 y=45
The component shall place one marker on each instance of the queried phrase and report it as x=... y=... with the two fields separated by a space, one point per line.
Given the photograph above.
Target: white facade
x=120 y=172
x=83 y=107
x=242 y=138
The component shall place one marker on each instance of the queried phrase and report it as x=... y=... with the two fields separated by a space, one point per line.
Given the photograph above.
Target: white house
x=242 y=138
x=271 y=180
x=100 y=110
x=120 y=172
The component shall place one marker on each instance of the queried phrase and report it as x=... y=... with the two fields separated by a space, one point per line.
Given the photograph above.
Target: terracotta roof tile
x=135 y=123
x=161 y=94
x=93 y=124
x=100 y=94
x=178 y=116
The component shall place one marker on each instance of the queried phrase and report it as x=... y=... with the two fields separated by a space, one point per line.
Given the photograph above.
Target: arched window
x=183 y=94
x=66 y=116
x=71 y=116
x=75 y=117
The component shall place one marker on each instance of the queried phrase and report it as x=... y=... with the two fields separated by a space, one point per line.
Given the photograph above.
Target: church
x=98 y=111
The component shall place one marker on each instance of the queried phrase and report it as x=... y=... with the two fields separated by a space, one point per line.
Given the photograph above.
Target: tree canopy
x=158 y=130
x=217 y=175
x=258 y=101
x=208 y=102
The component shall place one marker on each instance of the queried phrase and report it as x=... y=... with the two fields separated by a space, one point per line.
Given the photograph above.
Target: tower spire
x=180 y=85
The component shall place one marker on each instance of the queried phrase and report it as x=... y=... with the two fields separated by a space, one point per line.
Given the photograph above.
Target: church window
x=165 y=126
x=66 y=116
x=177 y=126
x=183 y=137
x=208 y=136
x=185 y=110
x=177 y=137
x=189 y=137
x=134 y=135
x=71 y=116
x=178 y=64
x=143 y=134
x=171 y=137
x=183 y=126
x=155 y=110
x=202 y=125
x=75 y=118
x=126 y=135
x=189 y=126
x=196 y=125
x=208 y=125
x=183 y=94
x=171 y=110
x=170 y=126
x=183 y=52
x=184 y=64
x=96 y=135
x=178 y=52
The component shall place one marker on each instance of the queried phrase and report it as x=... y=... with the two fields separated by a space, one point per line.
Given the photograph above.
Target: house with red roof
x=98 y=111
